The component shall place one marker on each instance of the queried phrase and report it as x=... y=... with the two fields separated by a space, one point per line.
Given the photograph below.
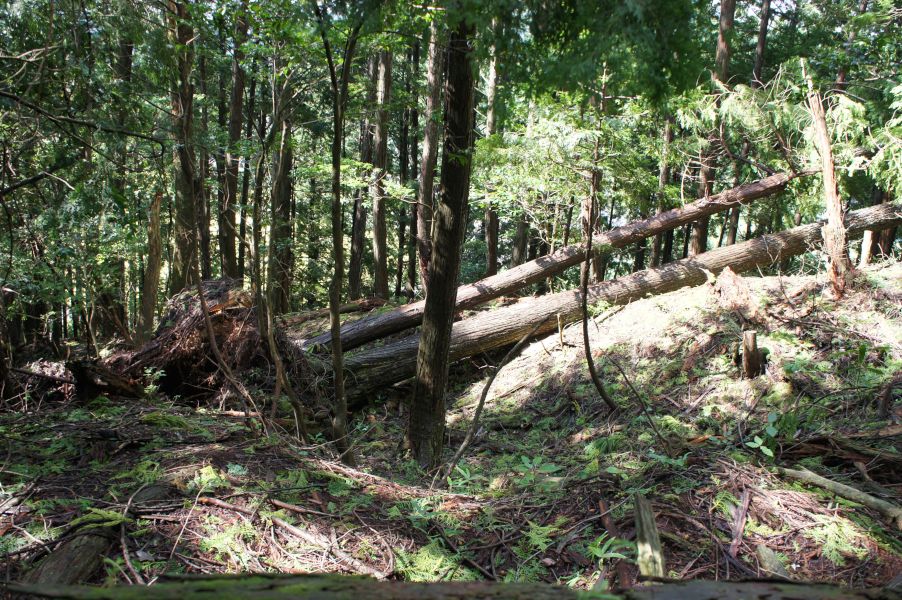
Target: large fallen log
x=396 y=361
x=373 y=327
x=341 y=587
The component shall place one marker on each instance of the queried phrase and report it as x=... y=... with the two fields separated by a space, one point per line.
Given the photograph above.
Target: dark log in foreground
x=396 y=361
x=79 y=558
x=339 y=587
x=404 y=317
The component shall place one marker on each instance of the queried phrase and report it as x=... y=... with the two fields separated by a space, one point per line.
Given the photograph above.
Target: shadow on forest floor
x=524 y=502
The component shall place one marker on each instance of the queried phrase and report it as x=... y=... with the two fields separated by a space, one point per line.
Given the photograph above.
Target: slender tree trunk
x=230 y=267
x=281 y=261
x=358 y=219
x=203 y=196
x=380 y=164
x=245 y=181
x=491 y=215
x=151 y=282
x=427 y=416
x=430 y=149
x=663 y=178
x=181 y=33
x=412 y=171
x=521 y=243
x=834 y=232
x=699 y=238
x=842 y=74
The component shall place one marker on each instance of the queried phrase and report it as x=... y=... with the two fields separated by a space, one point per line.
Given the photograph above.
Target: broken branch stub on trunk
x=410 y=315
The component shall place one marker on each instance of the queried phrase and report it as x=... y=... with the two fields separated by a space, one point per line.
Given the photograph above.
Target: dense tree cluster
x=325 y=151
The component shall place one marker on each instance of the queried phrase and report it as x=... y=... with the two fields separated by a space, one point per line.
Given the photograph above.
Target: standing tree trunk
x=412 y=171
x=377 y=187
x=430 y=150
x=834 y=231
x=699 y=239
x=427 y=416
x=663 y=178
x=521 y=243
x=246 y=180
x=280 y=266
x=358 y=219
x=230 y=267
x=760 y=46
x=491 y=215
x=181 y=33
x=151 y=282
x=339 y=78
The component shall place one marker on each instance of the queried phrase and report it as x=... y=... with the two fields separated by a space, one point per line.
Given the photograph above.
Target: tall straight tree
x=491 y=215
x=358 y=221
x=412 y=174
x=760 y=46
x=427 y=416
x=380 y=164
x=339 y=78
x=434 y=70
x=698 y=241
x=181 y=34
x=228 y=258
x=280 y=255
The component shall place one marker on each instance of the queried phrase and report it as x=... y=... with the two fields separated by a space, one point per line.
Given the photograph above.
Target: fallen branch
x=327 y=545
x=887 y=509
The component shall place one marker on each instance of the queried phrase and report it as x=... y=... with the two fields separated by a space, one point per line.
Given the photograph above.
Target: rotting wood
x=404 y=317
x=769 y=563
x=79 y=558
x=751 y=357
x=396 y=361
x=341 y=587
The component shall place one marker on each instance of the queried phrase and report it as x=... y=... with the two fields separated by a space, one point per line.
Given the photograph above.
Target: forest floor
x=523 y=503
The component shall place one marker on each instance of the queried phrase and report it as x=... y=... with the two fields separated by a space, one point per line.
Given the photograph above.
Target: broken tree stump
x=752 y=361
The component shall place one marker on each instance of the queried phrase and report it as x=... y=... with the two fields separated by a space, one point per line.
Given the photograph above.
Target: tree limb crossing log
x=339 y=587
x=396 y=361
x=404 y=317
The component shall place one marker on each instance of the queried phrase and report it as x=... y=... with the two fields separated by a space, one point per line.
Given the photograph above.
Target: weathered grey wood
x=770 y=564
x=373 y=327
x=396 y=361
x=649 y=554
x=338 y=587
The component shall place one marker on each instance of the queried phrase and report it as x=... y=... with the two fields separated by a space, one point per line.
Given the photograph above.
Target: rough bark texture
x=151 y=280
x=488 y=330
x=834 y=231
x=371 y=328
x=380 y=163
x=280 y=253
x=185 y=214
x=427 y=415
x=342 y=587
x=491 y=215
x=228 y=259
x=430 y=150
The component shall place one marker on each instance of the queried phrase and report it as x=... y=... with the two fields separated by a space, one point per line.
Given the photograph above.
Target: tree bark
x=358 y=221
x=380 y=163
x=489 y=330
x=341 y=587
x=834 y=232
x=182 y=96
x=491 y=215
x=280 y=264
x=412 y=172
x=430 y=149
x=151 y=281
x=427 y=415
x=663 y=178
x=699 y=240
x=371 y=328
x=228 y=259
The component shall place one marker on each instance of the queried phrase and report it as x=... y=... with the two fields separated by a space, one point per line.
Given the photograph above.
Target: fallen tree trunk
x=404 y=317
x=336 y=587
x=394 y=362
